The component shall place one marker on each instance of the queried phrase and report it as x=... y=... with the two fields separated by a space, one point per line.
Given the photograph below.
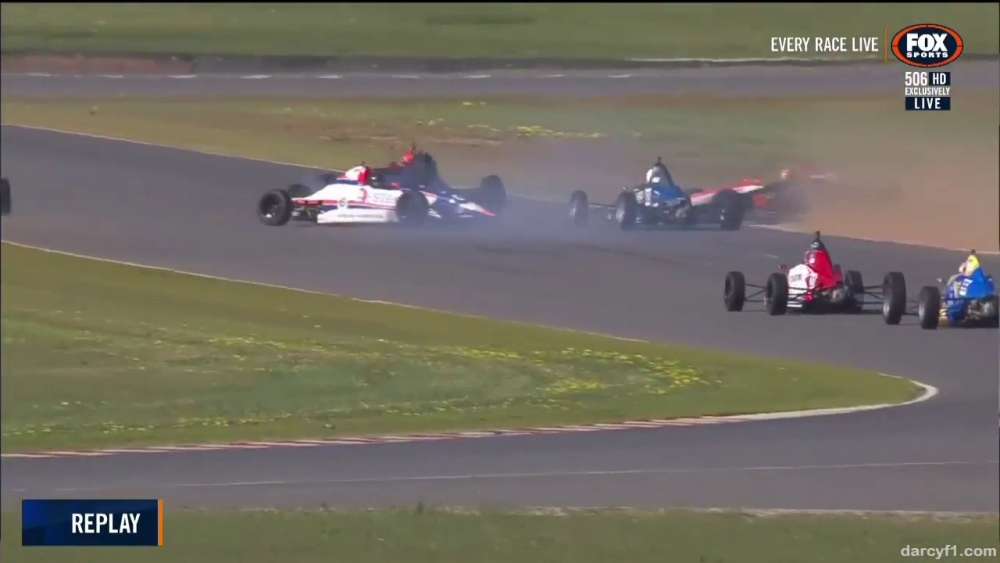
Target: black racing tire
x=492 y=194
x=579 y=208
x=626 y=210
x=5 y=203
x=776 y=294
x=995 y=320
x=856 y=286
x=412 y=208
x=691 y=218
x=893 y=298
x=275 y=208
x=731 y=209
x=734 y=294
x=929 y=307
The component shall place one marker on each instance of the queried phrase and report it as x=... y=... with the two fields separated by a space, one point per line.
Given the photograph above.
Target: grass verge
x=98 y=354
x=574 y=536
x=595 y=31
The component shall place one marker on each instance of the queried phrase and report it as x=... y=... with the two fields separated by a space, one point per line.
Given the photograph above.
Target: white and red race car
x=407 y=192
x=818 y=286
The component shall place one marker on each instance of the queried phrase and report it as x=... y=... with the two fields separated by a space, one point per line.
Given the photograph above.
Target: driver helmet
x=657 y=170
x=970 y=265
x=815 y=247
x=360 y=174
x=410 y=156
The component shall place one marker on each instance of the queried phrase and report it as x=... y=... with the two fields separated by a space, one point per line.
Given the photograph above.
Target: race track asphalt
x=194 y=212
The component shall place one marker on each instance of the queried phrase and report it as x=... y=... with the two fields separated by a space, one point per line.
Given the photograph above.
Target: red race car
x=781 y=199
x=818 y=286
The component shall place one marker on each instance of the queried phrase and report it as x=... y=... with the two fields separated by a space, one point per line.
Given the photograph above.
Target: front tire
x=893 y=298
x=579 y=208
x=929 y=307
x=735 y=292
x=412 y=208
x=492 y=193
x=626 y=210
x=275 y=208
x=776 y=294
x=856 y=285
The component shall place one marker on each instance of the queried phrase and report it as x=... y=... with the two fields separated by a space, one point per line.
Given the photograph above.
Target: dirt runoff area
x=951 y=202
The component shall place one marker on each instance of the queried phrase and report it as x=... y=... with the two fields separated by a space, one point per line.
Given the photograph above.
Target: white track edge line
x=929 y=392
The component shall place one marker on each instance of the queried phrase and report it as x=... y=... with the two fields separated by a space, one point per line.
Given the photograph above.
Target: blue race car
x=970 y=299
x=660 y=202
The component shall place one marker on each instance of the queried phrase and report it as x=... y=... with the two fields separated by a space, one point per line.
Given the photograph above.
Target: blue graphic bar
x=72 y=522
x=928 y=103
x=939 y=78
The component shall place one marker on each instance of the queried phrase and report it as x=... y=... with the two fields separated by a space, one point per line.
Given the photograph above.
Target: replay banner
x=104 y=522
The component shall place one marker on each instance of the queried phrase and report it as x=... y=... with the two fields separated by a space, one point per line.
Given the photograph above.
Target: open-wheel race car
x=659 y=202
x=408 y=192
x=818 y=286
x=970 y=299
x=786 y=198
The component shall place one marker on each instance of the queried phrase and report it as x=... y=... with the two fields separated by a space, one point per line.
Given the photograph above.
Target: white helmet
x=354 y=173
x=360 y=174
x=655 y=175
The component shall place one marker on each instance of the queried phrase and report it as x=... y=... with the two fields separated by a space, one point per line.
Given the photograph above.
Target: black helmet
x=817 y=244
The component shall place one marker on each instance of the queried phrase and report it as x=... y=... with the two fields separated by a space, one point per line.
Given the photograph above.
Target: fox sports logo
x=927 y=45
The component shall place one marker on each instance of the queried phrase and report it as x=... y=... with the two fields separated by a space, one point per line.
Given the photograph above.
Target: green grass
x=574 y=537
x=596 y=31
x=98 y=353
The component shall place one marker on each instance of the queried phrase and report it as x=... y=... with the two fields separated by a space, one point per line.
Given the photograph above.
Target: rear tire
x=492 y=194
x=734 y=294
x=893 y=298
x=929 y=307
x=275 y=208
x=412 y=208
x=579 y=208
x=626 y=210
x=731 y=210
x=856 y=285
x=5 y=203
x=776 y=294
